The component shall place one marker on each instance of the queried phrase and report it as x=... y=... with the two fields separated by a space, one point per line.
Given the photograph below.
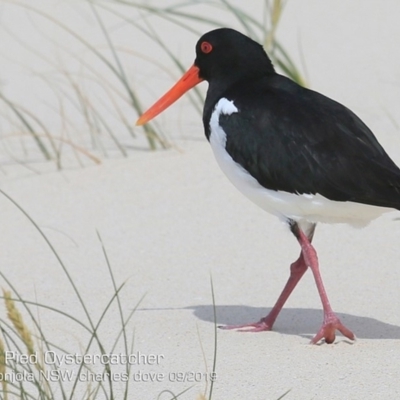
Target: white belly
x=301 y=208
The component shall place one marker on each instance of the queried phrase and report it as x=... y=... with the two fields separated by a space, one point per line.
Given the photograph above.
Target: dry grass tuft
x=16 y=318
x=23 y=331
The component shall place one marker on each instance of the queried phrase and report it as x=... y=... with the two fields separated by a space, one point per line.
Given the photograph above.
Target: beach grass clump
x=96 y=103
x=24 y=371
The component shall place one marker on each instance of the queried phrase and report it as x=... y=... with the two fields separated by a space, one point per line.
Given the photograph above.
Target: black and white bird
x=294 y=152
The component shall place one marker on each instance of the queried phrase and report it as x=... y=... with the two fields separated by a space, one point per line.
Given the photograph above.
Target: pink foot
x=328 y=329
x=262 y=325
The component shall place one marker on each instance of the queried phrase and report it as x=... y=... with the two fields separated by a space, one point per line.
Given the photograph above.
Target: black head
x=223 y=58
x=227 y=54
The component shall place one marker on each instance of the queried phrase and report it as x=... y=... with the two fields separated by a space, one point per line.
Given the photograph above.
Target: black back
x=290 y=138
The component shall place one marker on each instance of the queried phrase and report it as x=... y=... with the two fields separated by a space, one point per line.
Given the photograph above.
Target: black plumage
x=301 y=141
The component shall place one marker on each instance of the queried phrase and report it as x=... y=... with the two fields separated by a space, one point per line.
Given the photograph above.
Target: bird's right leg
x=331 y=322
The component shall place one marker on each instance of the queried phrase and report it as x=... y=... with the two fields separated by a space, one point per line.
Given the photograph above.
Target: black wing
x=304 y=142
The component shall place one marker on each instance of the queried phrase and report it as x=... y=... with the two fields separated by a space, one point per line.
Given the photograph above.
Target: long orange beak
x=188 y=80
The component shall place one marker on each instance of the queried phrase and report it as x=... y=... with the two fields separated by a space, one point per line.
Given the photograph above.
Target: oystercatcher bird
x=294 y=152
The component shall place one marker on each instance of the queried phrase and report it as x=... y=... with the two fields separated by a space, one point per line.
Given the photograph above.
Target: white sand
x=169 y=220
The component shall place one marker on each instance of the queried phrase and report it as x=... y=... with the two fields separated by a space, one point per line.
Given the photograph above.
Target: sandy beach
x=170 y=222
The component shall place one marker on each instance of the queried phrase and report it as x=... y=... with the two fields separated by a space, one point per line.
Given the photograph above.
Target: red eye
x=206 y=47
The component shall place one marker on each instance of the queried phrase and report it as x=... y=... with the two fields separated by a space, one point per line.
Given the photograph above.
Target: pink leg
x=331 y=322
x=308 y=257
x=297 y=270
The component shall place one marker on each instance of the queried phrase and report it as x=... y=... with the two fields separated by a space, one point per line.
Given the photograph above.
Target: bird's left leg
x=331 y=322
x=297 y=270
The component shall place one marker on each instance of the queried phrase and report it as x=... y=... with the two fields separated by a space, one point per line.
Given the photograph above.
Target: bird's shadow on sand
x=303 y=322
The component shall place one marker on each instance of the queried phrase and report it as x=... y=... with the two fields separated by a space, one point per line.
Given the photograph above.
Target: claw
x=328 y=330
